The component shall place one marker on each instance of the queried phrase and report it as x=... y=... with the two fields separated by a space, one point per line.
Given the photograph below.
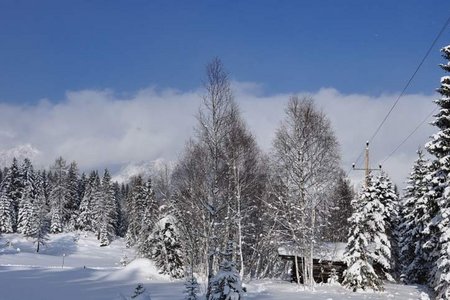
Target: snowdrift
x=140 y=269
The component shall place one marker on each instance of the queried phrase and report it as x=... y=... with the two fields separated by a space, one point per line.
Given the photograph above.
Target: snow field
x=95 y=273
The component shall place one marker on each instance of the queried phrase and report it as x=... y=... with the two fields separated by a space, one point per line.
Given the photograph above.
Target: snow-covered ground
x=91 y=272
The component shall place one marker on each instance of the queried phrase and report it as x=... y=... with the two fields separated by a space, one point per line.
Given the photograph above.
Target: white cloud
x=100 y=129
x=355 y=118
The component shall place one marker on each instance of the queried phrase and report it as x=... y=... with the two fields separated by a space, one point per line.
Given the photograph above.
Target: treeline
x=38 y=202
x=425 y=243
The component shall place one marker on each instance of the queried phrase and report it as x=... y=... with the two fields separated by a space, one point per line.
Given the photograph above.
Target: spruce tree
x=28 y=196
x=6 y=205
x=121 y=224
x=39 y=222
x=136 y=210
x=413 y=207
x=72 y=200
x=192 y=288
x=107 y=214
x=86 y=215
x=46 y=184
x=148 y=219
x=82 y=182
x=385 y=239
x=97 y=203
x=340 y=212
x=166 y=248
x=15 y=188
x=439 y=146
x=359 y=256
x=431 y=213
x=58 y=195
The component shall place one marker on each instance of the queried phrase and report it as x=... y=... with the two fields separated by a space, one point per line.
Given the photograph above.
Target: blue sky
x=368 y=47
x=122 y=78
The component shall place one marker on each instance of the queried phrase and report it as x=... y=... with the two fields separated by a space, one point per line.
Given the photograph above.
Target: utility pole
x=367 y=168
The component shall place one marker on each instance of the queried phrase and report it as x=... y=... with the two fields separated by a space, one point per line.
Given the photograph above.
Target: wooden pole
x=367 y=164
x=366 y=168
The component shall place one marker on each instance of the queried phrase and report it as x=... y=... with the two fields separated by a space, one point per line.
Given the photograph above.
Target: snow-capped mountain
x=20 y=152
x=143 y=168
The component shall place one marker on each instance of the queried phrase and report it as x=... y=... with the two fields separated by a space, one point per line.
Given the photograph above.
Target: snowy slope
x=89 y=272
x=79 y=250
x=95 y=273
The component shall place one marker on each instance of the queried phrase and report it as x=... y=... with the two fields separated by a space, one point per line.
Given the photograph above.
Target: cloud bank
x=103 y=129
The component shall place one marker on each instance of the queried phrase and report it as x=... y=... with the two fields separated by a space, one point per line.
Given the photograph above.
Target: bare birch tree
x=307 y=162
x=219 y=181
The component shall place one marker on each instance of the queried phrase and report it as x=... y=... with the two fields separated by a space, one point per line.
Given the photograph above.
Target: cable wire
x=359 y=157
x=410 y=80
x=404 y=90
x=411 y=134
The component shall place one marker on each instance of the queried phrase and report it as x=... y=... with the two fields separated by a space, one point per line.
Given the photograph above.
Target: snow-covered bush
x=227 y=285
x=139 y=290
x=124 y=260
x=191 y=288
x=166 y=248
x=139 y=294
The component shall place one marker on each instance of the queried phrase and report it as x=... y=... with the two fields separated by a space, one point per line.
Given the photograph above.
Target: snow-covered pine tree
x=16 y=187
x=439 y=147
x=44 y=175
x=431 y=235
x=413 y=208
x=340 y=211
x=27 y=199
x=227 y=284
x=82 y=182
x=166 y=247
x=72 y=202
x=151 y=213
x=389 y=199
x=58 y=195
x=6 y=205
x=149 y=219
x=384 y=253
x=39 y=222
x=135 y=210
x=96 y=202
x=107 y=214
x=358 y=256
x=121 y=224
x=86 y=212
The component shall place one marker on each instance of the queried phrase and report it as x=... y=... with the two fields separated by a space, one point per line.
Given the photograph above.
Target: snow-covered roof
x=323 y=251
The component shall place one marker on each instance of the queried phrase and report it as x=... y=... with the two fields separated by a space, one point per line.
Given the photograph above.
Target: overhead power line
x=356 y=161
x=409 y=135
x=408 y=83
x=410 y=79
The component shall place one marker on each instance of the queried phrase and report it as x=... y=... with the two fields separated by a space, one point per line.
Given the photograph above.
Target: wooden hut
x=327 y=260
